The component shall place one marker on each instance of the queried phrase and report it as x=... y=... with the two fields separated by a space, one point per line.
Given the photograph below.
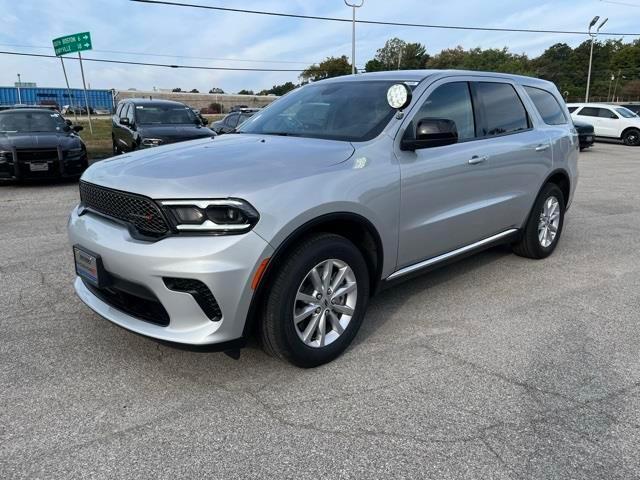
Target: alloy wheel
x=549 y=221
x=325 y=303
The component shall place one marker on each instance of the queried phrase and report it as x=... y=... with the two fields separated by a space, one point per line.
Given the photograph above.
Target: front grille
x=42 y=155
x=143 y=306
x=200 y=293
x=140 y=212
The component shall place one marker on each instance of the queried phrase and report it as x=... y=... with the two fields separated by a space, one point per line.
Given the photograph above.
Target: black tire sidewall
x=532 y=227
x=281 y=300
x=626 y=136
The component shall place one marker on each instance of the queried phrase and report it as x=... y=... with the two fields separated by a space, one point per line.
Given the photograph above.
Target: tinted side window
x=231 y=120
x=451 y=101
x=547 y=105
x=572 y=109
x=590 y=112
x=119 y=110
x=606 y=113
x=130 y=111
x=501 y=108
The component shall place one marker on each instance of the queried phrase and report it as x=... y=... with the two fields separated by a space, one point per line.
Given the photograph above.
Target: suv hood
x=39 y=140
x=174 y=133
x=227 y=166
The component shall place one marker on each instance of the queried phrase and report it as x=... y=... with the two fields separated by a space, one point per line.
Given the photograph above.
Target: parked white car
x=612 y=121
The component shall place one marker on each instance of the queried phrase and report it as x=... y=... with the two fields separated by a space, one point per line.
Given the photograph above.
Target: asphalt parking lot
x=496 y=367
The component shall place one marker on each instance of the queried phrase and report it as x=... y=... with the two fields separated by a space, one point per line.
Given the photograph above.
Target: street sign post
x=78 y=42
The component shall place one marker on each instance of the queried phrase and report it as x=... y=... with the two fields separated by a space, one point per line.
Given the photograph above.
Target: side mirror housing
x=432 y=132
x=204 y=121
x=77 y=128
x=68 y=122
x=125 y=121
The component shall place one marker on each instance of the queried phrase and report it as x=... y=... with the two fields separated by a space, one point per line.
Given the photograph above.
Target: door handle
x=475 y=160
x=542 y=148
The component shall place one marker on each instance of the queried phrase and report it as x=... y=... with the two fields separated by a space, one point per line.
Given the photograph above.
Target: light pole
x=354 y=5
x=594 y=37
x=19 y=95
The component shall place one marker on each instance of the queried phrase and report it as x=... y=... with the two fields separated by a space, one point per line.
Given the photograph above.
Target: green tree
x=245 y=92
x=330 y=67
x=396 y=54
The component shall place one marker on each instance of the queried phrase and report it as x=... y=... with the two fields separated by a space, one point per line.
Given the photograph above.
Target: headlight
x=226 y=216
x=75 y=152
x=152 y=142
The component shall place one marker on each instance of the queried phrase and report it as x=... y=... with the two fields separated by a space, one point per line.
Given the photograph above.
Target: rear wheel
x=631 y=137
x=317 y=301
x=544 y=226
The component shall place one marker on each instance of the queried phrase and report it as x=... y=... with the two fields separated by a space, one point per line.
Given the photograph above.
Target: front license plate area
x=89 y=266
x=39 y=167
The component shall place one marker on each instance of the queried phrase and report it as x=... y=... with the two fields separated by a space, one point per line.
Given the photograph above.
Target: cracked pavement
x=496 y=367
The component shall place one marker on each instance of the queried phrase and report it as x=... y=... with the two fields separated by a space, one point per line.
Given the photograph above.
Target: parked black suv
x=233 y=120
x=634 y=107
x=39 y=143
x=140 y=123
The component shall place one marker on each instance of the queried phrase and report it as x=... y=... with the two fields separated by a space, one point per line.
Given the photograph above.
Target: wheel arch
x=561 y=178
x=350 y=225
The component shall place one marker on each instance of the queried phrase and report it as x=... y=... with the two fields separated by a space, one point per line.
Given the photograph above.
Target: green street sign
x=77 y=42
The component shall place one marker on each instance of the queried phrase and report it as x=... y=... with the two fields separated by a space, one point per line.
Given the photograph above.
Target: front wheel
x=317 y=301
x=544 y=226
x=631 y=137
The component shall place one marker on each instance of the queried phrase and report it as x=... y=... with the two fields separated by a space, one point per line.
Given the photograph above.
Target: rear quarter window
x=547 y=106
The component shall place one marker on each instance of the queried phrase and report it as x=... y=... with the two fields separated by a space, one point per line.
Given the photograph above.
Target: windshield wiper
x=282 y=134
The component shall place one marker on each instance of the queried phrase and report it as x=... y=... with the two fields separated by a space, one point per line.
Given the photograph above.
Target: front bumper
x=59 y=164
x=225 y=264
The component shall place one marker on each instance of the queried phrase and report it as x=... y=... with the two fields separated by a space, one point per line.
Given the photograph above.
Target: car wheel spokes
x=325 y=303
x=549 y=222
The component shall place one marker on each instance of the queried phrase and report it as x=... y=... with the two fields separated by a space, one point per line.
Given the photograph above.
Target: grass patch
x=99 y=144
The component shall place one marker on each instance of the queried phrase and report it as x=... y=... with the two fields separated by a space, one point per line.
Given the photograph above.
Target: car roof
x=419 y=75
x=28 y=110
x=592 y=104
x=150 y=102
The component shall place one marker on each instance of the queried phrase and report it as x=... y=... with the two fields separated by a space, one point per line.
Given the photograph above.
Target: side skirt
x=507 y=236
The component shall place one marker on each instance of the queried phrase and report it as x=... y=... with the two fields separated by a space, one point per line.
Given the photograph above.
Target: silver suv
x=332 y=192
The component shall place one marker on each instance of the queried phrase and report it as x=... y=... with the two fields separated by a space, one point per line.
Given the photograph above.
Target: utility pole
x=64 y=70
x=19 y=95
x=86 y=97
x=613 y=97
x=353 y=5
x=594 y=37
x=610 y=81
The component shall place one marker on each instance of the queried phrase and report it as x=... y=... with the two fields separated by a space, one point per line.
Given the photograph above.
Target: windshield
x=349 y=111
x=164 y=114
x=625 y=112
x=31 y=122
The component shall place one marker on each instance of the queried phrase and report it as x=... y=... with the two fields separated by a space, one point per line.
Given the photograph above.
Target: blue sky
x=181 y=32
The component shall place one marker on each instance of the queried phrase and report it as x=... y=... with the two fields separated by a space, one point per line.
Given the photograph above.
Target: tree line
x=615 y=71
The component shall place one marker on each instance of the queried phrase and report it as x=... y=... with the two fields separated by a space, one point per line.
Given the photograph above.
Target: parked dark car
x=634 y=107
x=233 y=120
x=140 y=123
x=39 y=143
x=585 y=134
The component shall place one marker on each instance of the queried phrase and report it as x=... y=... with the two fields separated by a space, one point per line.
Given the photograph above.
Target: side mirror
x=432 y=132
x=77 y=128
x=68 y=122
x=204 y=121
x=125 y=121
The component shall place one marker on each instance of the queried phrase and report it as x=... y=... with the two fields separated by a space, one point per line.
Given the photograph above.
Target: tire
x=531 y=245
x=631 y=137
x=281 y=336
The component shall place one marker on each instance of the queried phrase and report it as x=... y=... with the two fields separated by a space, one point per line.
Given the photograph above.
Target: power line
x=626 y=4
x=376 y=22
x=124 y=52
x=124 y=62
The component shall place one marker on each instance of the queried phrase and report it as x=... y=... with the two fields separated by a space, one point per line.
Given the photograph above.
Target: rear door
x=595 y=117
x=518 y=152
